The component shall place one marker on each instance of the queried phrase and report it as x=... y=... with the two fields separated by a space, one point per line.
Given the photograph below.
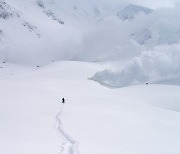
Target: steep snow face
x=29 y=32
x=130 y=11
x=43 y=31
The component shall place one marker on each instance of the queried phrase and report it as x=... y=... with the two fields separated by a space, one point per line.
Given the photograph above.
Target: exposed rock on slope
x=6 y=11
x=130 y=11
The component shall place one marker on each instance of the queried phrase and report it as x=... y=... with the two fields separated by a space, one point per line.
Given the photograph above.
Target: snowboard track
x=68 y=140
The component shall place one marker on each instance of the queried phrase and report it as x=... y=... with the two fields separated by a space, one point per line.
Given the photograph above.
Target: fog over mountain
x=89 y=77
x=36 y=32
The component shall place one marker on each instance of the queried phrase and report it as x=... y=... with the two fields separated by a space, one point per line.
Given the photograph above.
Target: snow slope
x=137 y=119
x=130 y=11
x=37 y=32
x=81 y=30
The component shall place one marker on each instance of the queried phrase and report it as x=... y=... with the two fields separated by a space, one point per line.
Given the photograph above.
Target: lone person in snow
x=63 y=100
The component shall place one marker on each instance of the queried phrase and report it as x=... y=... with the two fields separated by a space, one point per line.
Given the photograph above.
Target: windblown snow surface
x=142 y=119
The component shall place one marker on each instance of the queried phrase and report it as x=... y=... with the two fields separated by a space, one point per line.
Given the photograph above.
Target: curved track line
x=73 y=144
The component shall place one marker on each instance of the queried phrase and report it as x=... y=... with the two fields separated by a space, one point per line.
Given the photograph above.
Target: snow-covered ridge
x=130 y=11
x=49 y=13
x=7 y=12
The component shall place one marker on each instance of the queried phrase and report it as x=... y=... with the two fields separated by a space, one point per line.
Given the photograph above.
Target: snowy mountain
x=40 y=31
x=46 y=27
x=53 y=26
x=54 y=49
x=142 y=36
x=130 y=11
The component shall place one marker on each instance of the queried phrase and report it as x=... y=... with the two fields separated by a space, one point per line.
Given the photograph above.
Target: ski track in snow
x=69 y=144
